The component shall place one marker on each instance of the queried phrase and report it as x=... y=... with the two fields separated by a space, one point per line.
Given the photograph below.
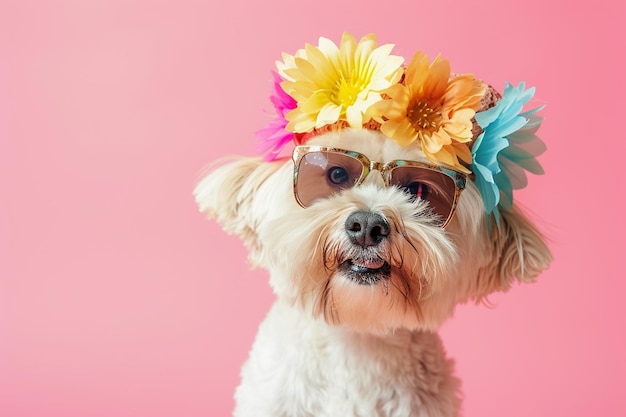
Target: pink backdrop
x=118 y=299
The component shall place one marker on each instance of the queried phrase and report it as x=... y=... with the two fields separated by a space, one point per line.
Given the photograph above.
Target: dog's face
x=373 y=257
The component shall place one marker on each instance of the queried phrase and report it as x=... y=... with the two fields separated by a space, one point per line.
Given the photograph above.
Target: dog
x=369 y=246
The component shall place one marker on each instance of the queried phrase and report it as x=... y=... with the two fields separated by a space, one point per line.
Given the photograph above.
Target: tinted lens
x=433 y=187
x=323 y=173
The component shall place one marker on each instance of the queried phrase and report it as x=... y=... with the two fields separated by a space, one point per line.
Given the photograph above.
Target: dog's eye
x=337 y=175
x=417 y=190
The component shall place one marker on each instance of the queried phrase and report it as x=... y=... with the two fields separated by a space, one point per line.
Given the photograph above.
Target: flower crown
x=458 y=120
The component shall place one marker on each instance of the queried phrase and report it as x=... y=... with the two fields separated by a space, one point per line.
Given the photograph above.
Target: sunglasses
x=320 y=172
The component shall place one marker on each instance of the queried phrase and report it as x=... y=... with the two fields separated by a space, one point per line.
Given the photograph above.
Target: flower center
x=346 y=90
x=423 y=116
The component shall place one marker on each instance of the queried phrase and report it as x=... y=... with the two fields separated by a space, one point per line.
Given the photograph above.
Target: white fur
x=331 y=347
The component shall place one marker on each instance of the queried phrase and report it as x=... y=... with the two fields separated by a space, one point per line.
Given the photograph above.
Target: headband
x=458 y=120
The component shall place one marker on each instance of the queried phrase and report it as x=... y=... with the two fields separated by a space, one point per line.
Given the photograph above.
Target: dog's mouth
x=366 y=272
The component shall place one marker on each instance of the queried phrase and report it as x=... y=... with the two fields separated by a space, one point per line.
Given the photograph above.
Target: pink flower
x=273 y=136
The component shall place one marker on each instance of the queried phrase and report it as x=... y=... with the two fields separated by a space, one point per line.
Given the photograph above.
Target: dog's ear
x=227 y=195
x=518 y=252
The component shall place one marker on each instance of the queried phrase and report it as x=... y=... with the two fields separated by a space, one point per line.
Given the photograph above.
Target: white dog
x=369 y=258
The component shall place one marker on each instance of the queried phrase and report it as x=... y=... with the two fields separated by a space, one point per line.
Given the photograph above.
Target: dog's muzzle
x=367 y=231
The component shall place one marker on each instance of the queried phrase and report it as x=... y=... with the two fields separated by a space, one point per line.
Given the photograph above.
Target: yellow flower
x=333 y=84
x=430 y=107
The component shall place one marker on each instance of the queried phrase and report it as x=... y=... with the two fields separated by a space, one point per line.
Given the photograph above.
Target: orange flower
x=432 y=108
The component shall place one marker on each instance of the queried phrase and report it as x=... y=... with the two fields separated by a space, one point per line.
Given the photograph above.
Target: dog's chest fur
x=303 y=367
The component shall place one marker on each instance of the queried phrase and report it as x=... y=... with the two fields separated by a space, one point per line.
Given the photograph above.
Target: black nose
x=365 y=228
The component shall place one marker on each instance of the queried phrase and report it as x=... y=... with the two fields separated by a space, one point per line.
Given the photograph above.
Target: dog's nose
x=365 y=228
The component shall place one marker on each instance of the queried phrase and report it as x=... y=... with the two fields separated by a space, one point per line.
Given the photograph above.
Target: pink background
x=118 y=299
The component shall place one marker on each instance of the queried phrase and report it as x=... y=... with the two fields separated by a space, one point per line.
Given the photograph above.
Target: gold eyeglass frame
x=460 y=178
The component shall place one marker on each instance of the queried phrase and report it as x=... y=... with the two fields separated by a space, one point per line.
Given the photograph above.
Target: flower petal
x=299 y=122
x=328 y=114
x=354 y=117
x=400 y=130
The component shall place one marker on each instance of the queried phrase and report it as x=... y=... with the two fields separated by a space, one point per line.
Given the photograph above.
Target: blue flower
x=506 y=148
